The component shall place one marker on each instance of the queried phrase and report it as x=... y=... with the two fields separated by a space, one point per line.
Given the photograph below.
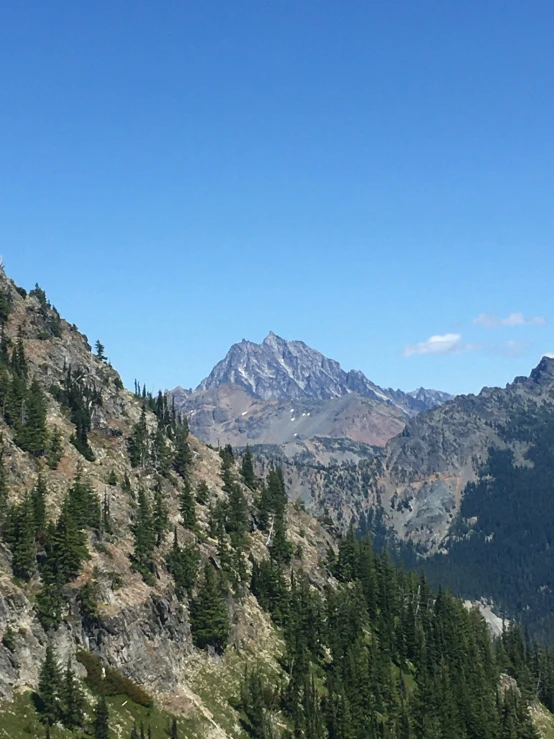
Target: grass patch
x=19 y=720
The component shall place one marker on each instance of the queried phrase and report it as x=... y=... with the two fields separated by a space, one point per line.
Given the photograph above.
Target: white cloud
x=439 y=344
x=549 y=355
x=488 y=320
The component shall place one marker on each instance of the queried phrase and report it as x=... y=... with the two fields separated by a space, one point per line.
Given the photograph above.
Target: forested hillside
x=153 y=586
x=501 y=544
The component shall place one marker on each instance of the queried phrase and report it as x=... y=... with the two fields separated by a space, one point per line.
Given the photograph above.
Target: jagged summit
x=278 y=369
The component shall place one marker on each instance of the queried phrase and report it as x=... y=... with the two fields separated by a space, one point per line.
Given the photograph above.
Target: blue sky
x=362 y=176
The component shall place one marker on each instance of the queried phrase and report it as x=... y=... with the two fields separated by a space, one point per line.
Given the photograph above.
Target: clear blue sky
x=360 y=175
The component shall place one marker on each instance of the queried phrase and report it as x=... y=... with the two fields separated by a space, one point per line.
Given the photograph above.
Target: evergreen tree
x=31 y=435
x=247 y=469
x=182 y=563
x=3 y=483
x=174 y=729
x=209 y=617
x=100 y=351
x=72 y=700
x=138 y=443
x=49 y=688
x=38 y=502
x=160 y=452
x=54 y=450
x=187 y=505
x=101 y=723
x=202 y=493
x=182 y=458
x=144 y=535
x=20 y=536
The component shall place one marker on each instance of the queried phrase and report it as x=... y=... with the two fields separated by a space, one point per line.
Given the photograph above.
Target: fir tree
x=187 y=505
x=3 y=483
x=49 y=688
x=144 y=535
x=101 y=722
x=247 y=470
x=38 y=502
x=182 y=563
x=31 y=435
x=209 y=617
x=202 y=493
x=20 y=536
x=182 y=457
x=100 y=352
x=174 y=730
x=72 y=700
x=137 y=444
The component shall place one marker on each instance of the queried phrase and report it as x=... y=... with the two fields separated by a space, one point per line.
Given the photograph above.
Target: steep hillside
x=148 y=579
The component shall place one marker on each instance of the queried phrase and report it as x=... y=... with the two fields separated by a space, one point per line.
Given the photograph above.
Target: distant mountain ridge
x=280 y=391
x=278 y=369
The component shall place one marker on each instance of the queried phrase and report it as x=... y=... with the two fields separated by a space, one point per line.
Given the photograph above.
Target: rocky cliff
x=142 y=629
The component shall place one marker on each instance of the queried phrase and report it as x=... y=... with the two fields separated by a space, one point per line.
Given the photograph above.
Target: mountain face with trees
x=152 y=586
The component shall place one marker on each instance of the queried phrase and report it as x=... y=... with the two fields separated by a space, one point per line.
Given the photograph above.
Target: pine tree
x=247 y=470
x=49 y=688
x=187 y=505
x=72 y=700
x=182 y=563
x=3 y=483
x=20 y=536
x=38 y=502
x=144 y=535
x=101 y=723
x=55 y=450
x=137 y=444
x=31 y=435
x=100 y=351
x=202 y=493
x=174 y=729
x=209 y=617
x=182 y=458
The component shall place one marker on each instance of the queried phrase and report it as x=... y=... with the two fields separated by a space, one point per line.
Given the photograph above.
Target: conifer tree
x=20 y=536
x=182 y=457
x=182 y=563
x=144 y=535
x=38 y=502
x=72 y=700
x=209 y=617
x=49 y=688
x=54 y=450
x=202 y=493
x=3 y=483
x=160 y=452
x=101 y=722
x=31 y=435
x=247 y=469
x=187 y=505
x=137 y=444
x=174 y=729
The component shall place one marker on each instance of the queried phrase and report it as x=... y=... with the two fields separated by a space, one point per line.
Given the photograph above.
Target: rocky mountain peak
x=278 y=369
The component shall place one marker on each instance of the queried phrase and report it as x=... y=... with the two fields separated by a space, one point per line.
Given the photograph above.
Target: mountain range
x=185 y=596
x=282 y=392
